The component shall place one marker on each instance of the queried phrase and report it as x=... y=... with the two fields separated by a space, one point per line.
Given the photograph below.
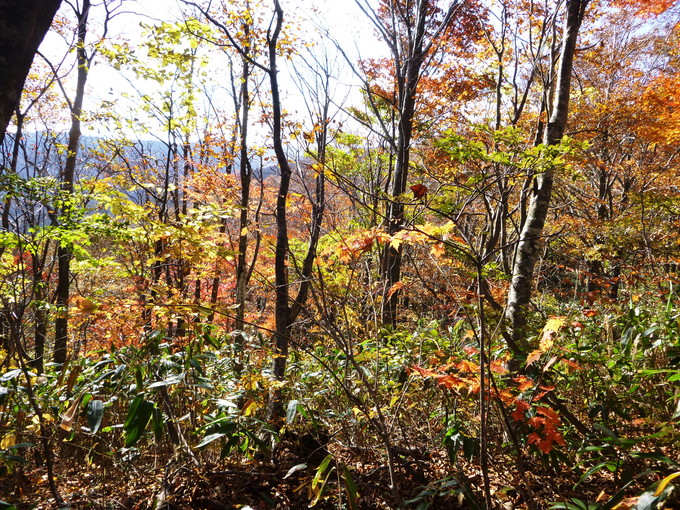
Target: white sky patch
x=341 y=20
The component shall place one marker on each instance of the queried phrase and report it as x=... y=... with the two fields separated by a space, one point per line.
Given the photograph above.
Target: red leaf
x=521 y=408
x=549 y=413
x=419 y=190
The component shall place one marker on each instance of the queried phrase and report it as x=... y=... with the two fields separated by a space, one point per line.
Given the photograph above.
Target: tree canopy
x=250 y=260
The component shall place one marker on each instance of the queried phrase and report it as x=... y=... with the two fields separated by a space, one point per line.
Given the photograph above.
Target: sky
x=343 y=19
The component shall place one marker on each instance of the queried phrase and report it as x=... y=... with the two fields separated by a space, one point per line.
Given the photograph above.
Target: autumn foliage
x=290 y=265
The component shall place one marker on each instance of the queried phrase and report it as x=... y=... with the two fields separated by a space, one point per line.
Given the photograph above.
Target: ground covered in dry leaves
x=425 y=481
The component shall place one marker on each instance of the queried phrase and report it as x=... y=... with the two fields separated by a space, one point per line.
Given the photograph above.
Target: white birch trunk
x=528 y=245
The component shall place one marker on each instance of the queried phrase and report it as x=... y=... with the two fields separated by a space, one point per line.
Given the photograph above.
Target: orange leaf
x=395 y=288
x=521 y=408
x=497 y=367
x=533 y=357
x=451 y=382
x=467 y=366
x=425 y=372
x=438 y=250
x=523 y=383
x=549 y=413
x=572 y=364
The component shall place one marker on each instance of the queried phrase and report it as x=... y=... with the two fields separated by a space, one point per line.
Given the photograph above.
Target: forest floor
x=424 y=482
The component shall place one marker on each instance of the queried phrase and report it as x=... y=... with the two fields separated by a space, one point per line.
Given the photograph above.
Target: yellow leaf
x=430 y=229
x=8 y=441
x=84 y=305
x=664 y=483
x=550 y=331
x=251 y=408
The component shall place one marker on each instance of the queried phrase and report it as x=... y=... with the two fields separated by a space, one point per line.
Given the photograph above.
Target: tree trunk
x=246 y=172
x=519 y=294
x=65 y=251
x=282 y=308
x=23 y=25
x=407 y=78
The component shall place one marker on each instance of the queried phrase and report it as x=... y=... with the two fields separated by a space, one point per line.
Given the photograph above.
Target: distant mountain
x=43 y=154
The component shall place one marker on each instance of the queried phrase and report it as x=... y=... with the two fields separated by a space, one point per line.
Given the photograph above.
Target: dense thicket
x=275 y=273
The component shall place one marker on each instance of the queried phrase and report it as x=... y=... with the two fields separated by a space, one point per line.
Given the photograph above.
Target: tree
x=23 y=25
x=64 y=251
x=286 y=310
x=84 y=60
x=527 y=250
x=414 y=33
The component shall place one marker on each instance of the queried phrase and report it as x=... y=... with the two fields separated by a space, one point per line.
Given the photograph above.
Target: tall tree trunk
x=6 y=312
x=246 y=172
x=407 y=78
x=282 y=307
x=65 y=251
x=23 y=25
x=40 y=328
x=519 y=294
x=410 y=40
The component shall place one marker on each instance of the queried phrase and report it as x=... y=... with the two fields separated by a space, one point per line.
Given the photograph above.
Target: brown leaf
x=419 y=190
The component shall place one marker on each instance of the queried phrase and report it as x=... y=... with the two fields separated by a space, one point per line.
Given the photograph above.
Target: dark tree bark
x=519 y=294
x=65 y=251
x=23 y=25
x=286 y=309
x=243 y=267
x=282 y=307
x=410 y=37
x=407 y=79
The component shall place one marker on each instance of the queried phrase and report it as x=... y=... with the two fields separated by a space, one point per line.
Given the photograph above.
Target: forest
x=371 y=254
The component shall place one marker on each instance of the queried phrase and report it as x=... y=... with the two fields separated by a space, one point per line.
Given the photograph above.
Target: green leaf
x=294 y=469
x=291 y=411
x=649 y=331
x=576 y=504
x=157 y=424
x=210 y=438
x=352 y=493
x=132 y=412
x=7 y=376
x=320 y=470
x=592 y=470
x=233 y=441
x=655 y=456
x=175 y=379
x=138 y=417
x=220 y=428
x=318 y=484
x=608 y=432
x=95 y=413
